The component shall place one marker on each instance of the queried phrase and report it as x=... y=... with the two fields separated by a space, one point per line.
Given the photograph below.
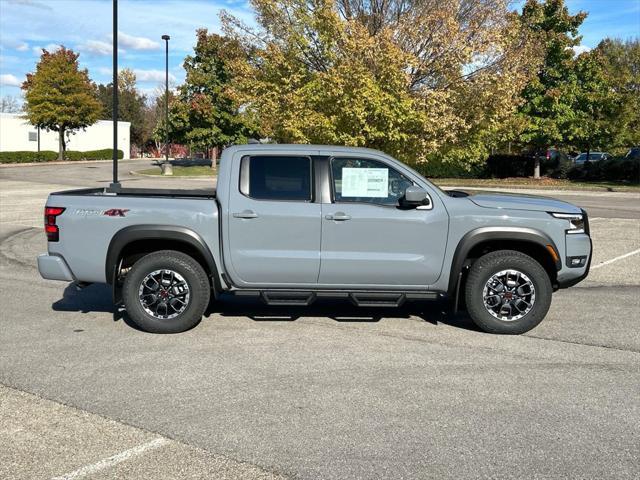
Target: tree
x=621 y=67
x=131 y=104
x=59 y=96
x=415 y=79
x=9 y=104
x=205 y=115
x=550 y=97
x=596 y=108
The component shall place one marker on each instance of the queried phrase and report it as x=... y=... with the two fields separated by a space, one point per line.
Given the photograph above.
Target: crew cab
x=294 y=223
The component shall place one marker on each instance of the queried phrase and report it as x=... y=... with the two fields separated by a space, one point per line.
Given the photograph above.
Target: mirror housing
x=414 y=196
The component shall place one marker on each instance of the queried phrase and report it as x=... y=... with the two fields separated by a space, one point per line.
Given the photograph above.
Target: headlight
x=576 y=221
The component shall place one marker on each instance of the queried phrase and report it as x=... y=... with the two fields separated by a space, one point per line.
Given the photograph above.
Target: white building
x=17 y=134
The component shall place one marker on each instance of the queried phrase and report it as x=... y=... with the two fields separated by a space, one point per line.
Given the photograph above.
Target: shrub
x=27 y=156
x=49 y=156
x=437 y=168
x=104 y=154
x=505 y=165
x=612 y=170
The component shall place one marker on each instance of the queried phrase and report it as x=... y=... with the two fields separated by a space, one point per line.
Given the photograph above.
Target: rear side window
x=269 y=177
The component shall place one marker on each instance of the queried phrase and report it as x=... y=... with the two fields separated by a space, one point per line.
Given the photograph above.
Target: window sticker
x=365 y=182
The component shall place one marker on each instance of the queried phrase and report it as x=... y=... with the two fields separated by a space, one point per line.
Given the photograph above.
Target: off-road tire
x=185 y=266
x=482 y=271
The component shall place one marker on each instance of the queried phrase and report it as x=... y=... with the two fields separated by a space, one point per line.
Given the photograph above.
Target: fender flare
x=134 y=233
x=483 y=234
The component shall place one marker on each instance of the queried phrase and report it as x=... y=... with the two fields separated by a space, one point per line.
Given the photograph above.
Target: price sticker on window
x=365 y=182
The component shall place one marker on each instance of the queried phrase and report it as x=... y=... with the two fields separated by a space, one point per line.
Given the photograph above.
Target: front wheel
x=166 y=292
x=507 y=292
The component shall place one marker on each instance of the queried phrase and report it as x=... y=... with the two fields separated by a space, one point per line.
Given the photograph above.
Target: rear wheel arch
x=481 y=241
x=136 y=241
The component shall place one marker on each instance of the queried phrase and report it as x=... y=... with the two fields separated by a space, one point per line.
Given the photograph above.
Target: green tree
x=549 y=98
x=415 y=79
x=131 y=105
x=205 y=115
x=596 y=107
x=621 y=66
x=59 y=96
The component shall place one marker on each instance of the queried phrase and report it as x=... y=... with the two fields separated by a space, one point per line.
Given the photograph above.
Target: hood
x=509 y=201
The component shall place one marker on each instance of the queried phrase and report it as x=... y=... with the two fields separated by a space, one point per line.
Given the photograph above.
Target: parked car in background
x=592 y=157
x=633 y=153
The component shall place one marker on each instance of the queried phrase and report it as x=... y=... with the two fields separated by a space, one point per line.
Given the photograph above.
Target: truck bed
x=207 y=193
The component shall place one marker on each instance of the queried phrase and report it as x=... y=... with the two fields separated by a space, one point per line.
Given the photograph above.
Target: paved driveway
x=329 y=391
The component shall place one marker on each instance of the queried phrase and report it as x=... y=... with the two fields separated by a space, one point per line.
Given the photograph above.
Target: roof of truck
x=301 y=147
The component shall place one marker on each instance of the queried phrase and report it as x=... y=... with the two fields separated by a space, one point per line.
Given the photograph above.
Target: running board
x=358 y=298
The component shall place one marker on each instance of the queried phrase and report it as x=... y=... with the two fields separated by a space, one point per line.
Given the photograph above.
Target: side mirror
x=414 y=197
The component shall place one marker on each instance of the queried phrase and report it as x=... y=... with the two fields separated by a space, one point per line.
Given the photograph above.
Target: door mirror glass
x=414 y=196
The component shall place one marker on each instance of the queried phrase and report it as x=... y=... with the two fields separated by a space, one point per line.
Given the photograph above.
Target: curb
x=68 y=162
x=196 y=177
x=547 y=192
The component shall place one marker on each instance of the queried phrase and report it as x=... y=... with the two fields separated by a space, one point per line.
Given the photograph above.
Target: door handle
x=245 y=214
x=338 y=217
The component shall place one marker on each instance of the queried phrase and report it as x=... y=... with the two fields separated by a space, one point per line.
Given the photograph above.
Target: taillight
x=50 y=227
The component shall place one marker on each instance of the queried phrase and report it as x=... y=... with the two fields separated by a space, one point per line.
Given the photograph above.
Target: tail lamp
x=50 y=228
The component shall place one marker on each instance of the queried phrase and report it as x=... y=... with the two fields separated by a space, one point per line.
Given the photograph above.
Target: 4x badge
x=112 y=212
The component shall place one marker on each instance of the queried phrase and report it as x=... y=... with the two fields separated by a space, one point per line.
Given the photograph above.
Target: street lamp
x=115 y=185
x=166 y=39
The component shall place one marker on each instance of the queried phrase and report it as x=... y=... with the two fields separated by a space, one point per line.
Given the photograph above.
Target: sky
x=27 y=26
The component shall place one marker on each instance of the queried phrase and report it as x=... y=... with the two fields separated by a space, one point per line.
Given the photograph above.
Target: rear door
x=274 y=223
x=368 y=240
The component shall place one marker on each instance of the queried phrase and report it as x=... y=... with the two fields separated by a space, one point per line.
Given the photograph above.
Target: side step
x=291 y=298
x=377 y=299
x=360 y=299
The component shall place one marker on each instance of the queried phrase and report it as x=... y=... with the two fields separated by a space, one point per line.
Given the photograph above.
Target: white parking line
x=615 y=259
x=113 y=460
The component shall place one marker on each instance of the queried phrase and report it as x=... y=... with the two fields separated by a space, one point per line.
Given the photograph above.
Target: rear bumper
x=53 y=267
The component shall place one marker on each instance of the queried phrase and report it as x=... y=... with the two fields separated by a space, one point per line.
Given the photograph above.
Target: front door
x=368 y=240
x=273 y=223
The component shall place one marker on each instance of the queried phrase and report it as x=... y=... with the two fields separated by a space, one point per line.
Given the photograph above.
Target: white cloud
x=137 y=43
x=9 y=80
x=31 y=3
x=96 y=47
x=51 y=48
x=579 y=49
x=152 y=75
x=22 y=47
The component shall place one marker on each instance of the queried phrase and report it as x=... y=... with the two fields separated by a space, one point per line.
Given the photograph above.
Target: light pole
x=166 y=39
x=115 y=185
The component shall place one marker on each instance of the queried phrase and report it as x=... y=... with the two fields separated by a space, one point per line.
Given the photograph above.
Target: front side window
x=277 y=178
x=367 y=181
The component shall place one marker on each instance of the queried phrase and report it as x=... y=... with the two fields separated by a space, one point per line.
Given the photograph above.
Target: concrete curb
x=71 y=162
x=195 y=177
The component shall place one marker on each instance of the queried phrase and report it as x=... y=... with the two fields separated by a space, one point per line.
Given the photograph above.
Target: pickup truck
x=293 y=223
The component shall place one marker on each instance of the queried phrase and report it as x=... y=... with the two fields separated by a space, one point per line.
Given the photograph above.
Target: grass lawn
x=544 y=183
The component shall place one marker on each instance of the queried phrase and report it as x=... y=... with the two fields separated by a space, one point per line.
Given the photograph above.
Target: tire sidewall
x=192 y=274
x=491 y=264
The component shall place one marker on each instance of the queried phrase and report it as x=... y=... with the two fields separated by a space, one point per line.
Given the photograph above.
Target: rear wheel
x=166 y=292
x=507 y=292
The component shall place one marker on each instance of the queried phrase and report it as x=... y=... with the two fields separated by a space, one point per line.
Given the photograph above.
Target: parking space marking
x=615 y=259
x=114 y=459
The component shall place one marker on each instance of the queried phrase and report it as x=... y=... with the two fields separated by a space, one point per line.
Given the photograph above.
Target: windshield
x=592 y=156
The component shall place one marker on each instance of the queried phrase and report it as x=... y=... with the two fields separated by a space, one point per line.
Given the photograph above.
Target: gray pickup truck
x=294 y=223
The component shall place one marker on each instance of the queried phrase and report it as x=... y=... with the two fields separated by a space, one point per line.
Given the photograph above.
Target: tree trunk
x=214 y=157
x=536 y=168
x=61 y=145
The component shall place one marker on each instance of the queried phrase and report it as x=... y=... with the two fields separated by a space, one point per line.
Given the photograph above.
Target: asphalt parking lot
x=329 y=391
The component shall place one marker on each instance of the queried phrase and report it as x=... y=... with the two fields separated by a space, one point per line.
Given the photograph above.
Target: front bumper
x=53 y=267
